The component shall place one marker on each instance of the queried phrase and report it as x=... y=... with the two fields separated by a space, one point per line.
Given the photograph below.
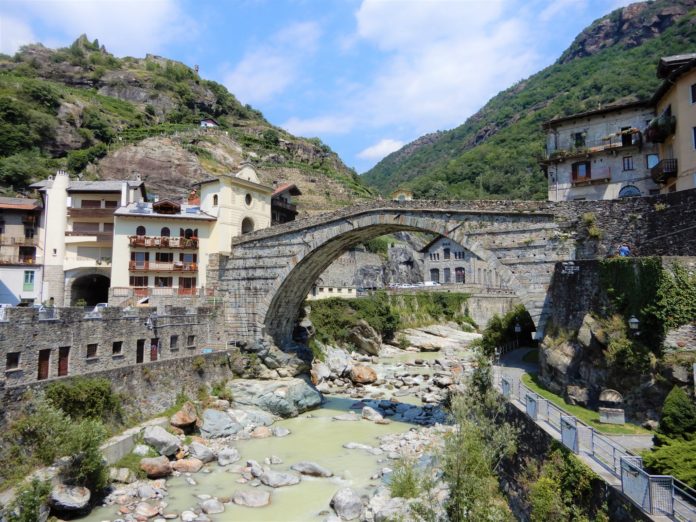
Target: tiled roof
x=287 y=186
x=89 y=186
x=19 y=203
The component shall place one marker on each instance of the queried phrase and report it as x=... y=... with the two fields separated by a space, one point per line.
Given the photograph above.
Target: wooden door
x=63 y=356
x=44 y=361
x=140 y=351
x=154 y=348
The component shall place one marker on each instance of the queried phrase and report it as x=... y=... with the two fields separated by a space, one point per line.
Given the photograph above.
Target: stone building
x=673 y=130
x=446 y=262
x=600 y=154
x=21 y=252
x=76 y=231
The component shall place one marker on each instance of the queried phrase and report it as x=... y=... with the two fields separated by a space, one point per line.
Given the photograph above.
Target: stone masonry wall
x=92 y=343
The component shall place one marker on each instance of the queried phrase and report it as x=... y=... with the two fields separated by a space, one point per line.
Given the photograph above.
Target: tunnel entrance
x=92 y=288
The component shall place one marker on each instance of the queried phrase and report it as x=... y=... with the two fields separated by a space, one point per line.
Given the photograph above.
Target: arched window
x=215 y=200
x=629 y=191
x=435 y=275
x=188 y=233
x=459 y=275
x=165 y=232
x=140 y=231
x=247 y=225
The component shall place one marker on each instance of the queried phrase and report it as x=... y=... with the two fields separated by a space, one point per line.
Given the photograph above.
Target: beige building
x=600 y=154
x=162 y=248
x=402 y=195
x=76 y=233
x=673 y=130
x=21 y=252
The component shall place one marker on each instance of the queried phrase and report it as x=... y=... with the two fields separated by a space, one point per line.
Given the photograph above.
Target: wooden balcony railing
x=665 y=169
x=163 y=242
x=101 y=236
x=632 y=138
x=20 y=260
x=90 y=212
x=597 y=175
x=284 y=204
x=154 y=266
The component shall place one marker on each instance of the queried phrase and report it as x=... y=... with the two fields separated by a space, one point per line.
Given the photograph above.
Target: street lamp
x=518 y=329
x=633 y=324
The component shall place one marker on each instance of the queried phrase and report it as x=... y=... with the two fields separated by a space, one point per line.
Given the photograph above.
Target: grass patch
x=132 y=462
x=531 y=357
x=589 y=417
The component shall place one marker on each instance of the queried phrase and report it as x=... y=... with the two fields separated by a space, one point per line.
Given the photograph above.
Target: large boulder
x=251 y=497
x=362 y=374
x=278 y=479
x=251 y=417
x=201 y=452
x=156 y=467
x=291 y=362
x=212 y=506
x=122 y=475
x=69 y=500
x=185 y=418
x=164 y=442
x=227 y=456
x=365 y=338
x=218 y=424
x=319 y=372
x=190 y=465
x=311 y=468
x=285 y=398
x=338 y=361
x=347 y=504
x=590 y=335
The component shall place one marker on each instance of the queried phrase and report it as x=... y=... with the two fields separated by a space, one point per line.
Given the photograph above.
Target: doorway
x=63 y=357
x=44 y=361
x=140 y=351
x=154 y=348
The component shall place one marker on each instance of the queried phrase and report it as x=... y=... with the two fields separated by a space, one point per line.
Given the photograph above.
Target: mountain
x=495 y=153
x=101 y=117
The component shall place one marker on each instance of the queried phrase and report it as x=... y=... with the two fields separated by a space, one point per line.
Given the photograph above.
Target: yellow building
x=674 y=128
x=162 y=248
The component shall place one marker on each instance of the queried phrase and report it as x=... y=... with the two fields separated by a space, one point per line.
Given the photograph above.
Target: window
x=137 y=281
x=140 y=231
x=190 y=341
x=447 y=275
x=90 y=203
x=578 y=139
x=84 y=226
x=215 y=200
x=163 y=282
x=459 y=275
x=29 y=232
x=581 y=170
x=165 y=232
x=693 y=93
x=28 y=281
x=693 y=137
x=188 y=258
x=435 y=275
x=117 y=348
x=111 y=204
x=629 y=191
x=139 y=351
x=626 y=138
x=164 y=257
x=248 y=199
x=91 y=350
x=331 y=290
x=140 y=259
x=12 y=362
x=628 y=163
x=446 y=253
x=188 y=233
x=108 y=227
x=187 y=285
x=651 y=160
x=174 y=342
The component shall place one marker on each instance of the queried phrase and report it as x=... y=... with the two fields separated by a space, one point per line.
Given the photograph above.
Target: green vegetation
x=504 y=140
x=86 y=398
x=562 y=490
x=675 y=440
x=220 y=390
x=501 y=330
x=378 y=245
x=404 y=481
x=28 y=503
x=334 y=318
x=589 y=417
x=132 y=462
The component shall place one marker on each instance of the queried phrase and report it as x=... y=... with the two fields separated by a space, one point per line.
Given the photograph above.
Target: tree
x=678 y=418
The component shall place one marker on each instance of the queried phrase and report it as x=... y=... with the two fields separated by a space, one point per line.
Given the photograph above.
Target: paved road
x=512 y=364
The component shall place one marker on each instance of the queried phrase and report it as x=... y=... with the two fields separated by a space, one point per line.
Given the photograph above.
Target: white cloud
x=125 y=27
x=13 y=34
x=319 y=125
x=380 y=149
x=267 y=71
x=557 y=7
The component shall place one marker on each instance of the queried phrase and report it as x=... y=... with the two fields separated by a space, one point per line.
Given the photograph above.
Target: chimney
x=124 y=193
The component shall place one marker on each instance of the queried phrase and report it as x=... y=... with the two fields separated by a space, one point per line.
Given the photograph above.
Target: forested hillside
x=101 y=117
x=495 y=153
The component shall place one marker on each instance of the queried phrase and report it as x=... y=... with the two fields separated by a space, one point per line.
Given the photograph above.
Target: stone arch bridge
x=268 y=274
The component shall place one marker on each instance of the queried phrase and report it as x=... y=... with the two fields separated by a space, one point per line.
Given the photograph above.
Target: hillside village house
x=674 y=127
x=626 y=150
x=282 y=207
x=402 y=195
x=163 y=247
x=21 y=252
x=76 y=232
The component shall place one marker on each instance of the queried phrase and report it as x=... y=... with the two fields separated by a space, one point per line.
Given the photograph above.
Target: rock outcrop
x=285 y=398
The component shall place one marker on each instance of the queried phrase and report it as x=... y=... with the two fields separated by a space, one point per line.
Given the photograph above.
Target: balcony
x=619 y=140
x=280 y=203
x=597 y=175
x=661 y=128
x=665 y=169
x=100 y=236
x=20 y=260
x=163 y=242
x=90 y=212
x=148 y=266
x=18 y=241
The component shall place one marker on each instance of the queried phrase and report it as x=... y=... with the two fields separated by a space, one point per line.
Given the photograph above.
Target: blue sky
x=365 y=76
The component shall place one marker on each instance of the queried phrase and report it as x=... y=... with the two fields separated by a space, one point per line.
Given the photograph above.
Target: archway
x=93 y=288
x=247 y=225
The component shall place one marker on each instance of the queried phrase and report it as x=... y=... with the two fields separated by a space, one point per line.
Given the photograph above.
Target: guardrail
x=654 y=494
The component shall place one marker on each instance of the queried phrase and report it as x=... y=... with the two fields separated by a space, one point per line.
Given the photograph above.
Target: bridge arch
x=277 y=310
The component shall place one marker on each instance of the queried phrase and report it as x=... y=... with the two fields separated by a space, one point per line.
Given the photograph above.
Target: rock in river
x=201 y=452
x=69 y=499
x=156 y=467
x=278 y=479
x=228 y=456
x=191 y=465
x=251 y=497
x=347 y=504
x=361 y=374
x=164 y=442
x=185 y=417
x=312 y=469
x=286 y=397
x=218 y=424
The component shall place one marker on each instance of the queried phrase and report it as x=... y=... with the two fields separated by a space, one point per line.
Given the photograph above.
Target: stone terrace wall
x=25 y=333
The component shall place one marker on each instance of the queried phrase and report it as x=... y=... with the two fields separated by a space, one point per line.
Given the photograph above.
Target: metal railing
x=654 y=494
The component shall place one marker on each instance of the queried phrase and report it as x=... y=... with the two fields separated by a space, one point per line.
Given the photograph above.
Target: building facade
x=21 y=252
x=673 y=130
x=282 y=207
x=600 y=154
x=447 y=262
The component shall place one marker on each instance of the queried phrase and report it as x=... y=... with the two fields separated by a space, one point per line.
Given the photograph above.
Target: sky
x=365 y=76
